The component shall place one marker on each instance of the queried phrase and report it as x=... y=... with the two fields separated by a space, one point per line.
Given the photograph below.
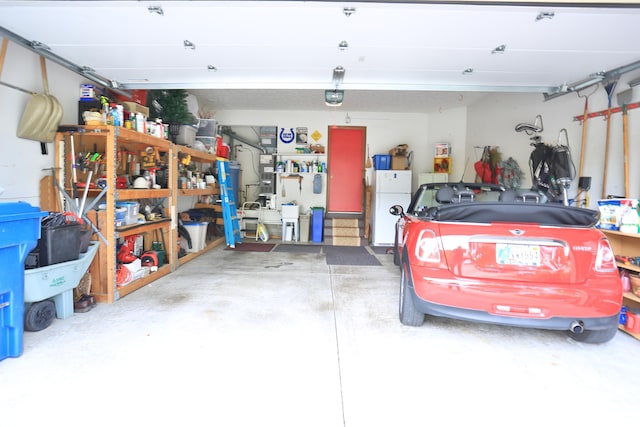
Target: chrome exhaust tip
x=577 y=327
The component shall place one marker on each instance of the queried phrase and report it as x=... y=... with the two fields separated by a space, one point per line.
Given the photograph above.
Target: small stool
x=296 y=226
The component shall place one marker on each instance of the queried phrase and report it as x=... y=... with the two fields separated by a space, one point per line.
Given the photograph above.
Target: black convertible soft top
x=549 y=214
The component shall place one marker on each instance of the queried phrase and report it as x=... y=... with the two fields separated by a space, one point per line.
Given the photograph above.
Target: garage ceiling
x=400 y=56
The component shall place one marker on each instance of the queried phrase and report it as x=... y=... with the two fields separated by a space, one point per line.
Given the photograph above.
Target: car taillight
x=427 y=247
x=605 y=258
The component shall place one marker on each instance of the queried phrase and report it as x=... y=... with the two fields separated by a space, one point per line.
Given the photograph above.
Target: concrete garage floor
x=281 y=339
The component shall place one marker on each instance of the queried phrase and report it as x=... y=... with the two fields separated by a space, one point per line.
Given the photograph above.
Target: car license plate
x=519 y=255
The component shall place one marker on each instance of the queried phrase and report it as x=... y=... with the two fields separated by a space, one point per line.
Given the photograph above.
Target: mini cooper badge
x=517 y=232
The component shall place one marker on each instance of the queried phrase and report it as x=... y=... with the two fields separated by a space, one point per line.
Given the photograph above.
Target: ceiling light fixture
x=156 y=9
x=545 y=15
x=211 y=68
x=333 y=98
x=468 y=71
x=343 y=45
x=189 y=45
x=348 y=11
x=338 y=75
x=499 y=49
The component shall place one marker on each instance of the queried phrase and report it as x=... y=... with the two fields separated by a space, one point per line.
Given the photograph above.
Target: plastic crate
x=59 y=244
x=19 y=233
x=382 y=161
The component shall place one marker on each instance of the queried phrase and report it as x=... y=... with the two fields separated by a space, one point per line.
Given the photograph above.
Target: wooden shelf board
x=132 y=194
x=633 y=334
x=198 y=191
x=128 y=230
x=631 y=296
x=193 y=255
x=143 y=281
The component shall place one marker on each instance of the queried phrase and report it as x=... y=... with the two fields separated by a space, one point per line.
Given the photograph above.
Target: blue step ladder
x=232 y=231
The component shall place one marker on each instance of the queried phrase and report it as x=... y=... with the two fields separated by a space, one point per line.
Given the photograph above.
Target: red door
x=345 y=167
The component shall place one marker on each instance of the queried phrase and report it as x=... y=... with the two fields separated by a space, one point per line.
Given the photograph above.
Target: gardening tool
x=609 y=87
x=624 y=98
x=584 y=129
x=368 y=163
x=42 y=115
x=74 y=172
x=84 y=195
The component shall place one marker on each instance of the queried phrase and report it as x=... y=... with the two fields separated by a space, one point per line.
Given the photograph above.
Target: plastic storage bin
x=131 y=215
x=382 y=162
x=19 y=234
x=59 y=244
x=317 y=229
x=198 y=233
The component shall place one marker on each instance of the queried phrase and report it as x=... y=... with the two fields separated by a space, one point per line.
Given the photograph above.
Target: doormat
x=306 y=249
x=349 y=255
x=251 y=247
x=382 y=250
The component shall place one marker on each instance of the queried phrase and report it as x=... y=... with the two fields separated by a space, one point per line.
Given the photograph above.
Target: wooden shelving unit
x=626 y=244
x=201 y=158
x=114 y=142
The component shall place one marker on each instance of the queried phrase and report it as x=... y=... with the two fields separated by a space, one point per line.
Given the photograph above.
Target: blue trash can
x=19 y=234
x=317 y=224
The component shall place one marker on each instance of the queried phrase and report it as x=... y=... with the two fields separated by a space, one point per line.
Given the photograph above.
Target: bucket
x=198 y=233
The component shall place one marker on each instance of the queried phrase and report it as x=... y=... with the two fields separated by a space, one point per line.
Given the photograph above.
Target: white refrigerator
x=389 y=187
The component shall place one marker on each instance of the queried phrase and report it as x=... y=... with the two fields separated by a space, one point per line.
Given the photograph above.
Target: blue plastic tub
x=19 y=234
x=382 y=162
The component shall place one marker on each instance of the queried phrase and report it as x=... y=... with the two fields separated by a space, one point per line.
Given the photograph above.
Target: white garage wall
x=384 y=130
x=21 y=164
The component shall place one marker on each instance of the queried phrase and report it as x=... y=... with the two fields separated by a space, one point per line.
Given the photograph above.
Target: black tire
x=39 y=316
x=409 y=315
x=594 y=337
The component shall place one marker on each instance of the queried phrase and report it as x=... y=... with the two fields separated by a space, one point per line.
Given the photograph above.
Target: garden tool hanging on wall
x=42 y=115
x=487 y=168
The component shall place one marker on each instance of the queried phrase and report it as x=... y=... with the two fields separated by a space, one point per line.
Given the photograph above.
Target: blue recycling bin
x=19 y=234
x=317 y=224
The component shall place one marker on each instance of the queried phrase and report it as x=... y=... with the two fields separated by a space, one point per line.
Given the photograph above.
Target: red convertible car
x=483 y=253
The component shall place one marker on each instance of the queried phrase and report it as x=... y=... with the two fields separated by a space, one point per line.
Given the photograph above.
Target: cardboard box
x=398 y=163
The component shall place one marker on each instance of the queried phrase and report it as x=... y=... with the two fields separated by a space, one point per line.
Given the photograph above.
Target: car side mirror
x=396 y=210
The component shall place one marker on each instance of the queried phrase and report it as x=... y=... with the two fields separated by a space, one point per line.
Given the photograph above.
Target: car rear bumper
x=552 y=323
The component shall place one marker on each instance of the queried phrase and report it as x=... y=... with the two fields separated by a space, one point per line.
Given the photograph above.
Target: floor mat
x=349 y=255
x=382 y=250
x=307 y=249
x=252 y=247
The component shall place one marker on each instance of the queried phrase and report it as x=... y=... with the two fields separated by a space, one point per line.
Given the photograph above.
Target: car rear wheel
x=594 y=337
x=409 y=315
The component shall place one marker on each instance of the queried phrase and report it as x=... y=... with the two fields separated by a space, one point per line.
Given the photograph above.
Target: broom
x=368 y=163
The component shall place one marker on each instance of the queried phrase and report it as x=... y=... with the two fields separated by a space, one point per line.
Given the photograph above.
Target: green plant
x=170 y=105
